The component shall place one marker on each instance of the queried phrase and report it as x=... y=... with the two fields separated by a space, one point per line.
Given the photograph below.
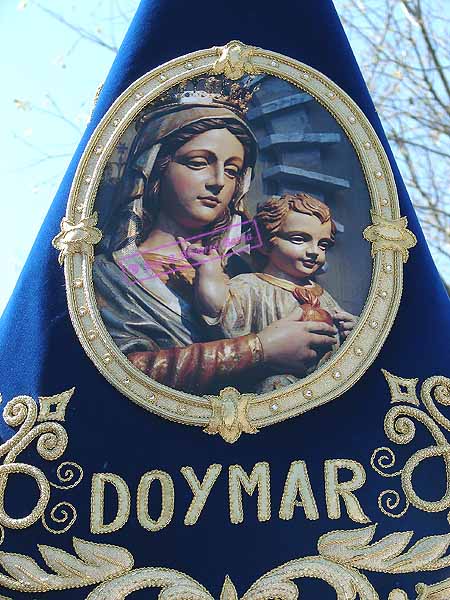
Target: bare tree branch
x=403 y=47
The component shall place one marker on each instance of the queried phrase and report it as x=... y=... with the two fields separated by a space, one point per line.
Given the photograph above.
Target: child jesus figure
x=297 y=231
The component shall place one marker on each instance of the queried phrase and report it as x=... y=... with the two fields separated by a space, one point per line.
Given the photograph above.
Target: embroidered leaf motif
x=100 y=555
x=334 y=543
x=387 y=555
x=426 y=554
x=173 y=584
x=343 y=555
x=389 y=547
x=23 y=569
x=345 y=548
x=228 y=590
x=96 y=563
x=348 y=583
x=62 y=563
x=437 y=591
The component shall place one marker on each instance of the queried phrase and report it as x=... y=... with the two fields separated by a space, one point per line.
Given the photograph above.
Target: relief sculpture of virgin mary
x=194 y=291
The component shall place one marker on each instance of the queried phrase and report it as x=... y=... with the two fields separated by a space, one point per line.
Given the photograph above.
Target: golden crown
x=210 y=90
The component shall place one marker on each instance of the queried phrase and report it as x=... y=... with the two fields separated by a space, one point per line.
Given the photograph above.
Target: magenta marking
x=142 y=270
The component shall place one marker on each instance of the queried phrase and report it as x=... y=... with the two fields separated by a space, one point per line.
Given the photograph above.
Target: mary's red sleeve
x=203 y=366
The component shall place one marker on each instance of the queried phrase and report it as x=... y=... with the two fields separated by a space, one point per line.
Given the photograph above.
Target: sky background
x=50 y=76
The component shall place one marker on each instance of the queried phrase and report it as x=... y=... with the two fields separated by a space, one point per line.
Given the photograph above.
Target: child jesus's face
x=299 y=247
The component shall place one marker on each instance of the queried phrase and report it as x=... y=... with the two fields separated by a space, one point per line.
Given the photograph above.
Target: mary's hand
x=294 y=346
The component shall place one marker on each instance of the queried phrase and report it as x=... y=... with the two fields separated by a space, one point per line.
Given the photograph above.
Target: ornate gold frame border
x=388 y=234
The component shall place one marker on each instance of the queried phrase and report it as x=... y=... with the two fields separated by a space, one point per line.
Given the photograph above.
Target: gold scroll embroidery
x=51 y=441
x=64 y=513
x=400 y=428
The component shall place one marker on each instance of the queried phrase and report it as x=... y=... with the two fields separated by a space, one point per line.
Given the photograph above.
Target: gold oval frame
x=388 y=234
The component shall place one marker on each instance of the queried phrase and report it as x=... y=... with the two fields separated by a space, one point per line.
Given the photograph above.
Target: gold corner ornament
x=229 y=415
x=390 y=234
x=77 y=238
x=235 y=60
x=53 y=408
x=402 y=389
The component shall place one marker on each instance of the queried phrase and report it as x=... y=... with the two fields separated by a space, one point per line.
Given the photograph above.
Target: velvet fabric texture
x=40 y=355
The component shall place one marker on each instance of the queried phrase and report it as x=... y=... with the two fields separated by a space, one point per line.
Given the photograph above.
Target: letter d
x=99 y=480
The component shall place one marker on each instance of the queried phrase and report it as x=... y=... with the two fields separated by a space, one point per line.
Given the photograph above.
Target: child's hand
x=345 y=323
x=197 y=255
x=211 y=283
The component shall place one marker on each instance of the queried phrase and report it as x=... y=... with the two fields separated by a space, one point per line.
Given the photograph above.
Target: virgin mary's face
x=200 y=181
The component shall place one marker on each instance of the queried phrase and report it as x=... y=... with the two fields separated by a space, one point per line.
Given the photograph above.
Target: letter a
x=297 y=483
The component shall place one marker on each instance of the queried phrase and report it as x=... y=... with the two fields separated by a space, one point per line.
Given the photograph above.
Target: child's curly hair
x=271 y=214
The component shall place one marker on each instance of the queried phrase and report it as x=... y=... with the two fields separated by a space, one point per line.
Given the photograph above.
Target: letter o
x=167 y=503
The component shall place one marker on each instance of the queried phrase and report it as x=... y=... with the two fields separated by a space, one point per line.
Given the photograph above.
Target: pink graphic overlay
x=236 y=239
